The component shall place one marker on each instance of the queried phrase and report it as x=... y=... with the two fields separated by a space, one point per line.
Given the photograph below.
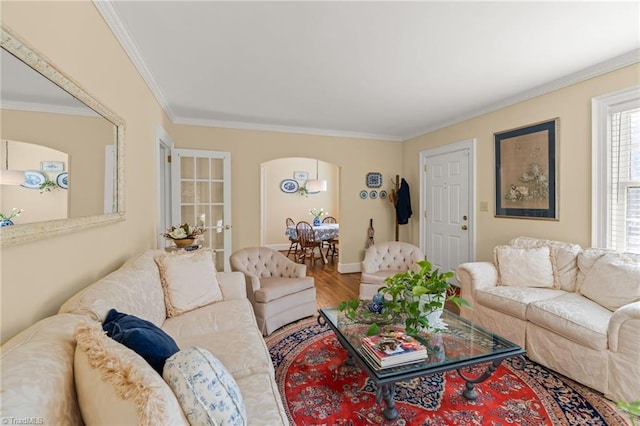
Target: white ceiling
x=389 y=70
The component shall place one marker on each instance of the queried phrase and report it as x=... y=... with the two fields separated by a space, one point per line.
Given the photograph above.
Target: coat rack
x=393 y=199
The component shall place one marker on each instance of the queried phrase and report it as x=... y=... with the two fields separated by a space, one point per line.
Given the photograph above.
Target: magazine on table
x=393 y=348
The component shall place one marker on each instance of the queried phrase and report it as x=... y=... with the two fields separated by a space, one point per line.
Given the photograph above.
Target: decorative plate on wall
x=383 y=194
x=33 y=179
x=373 y=194
x=63 y=180
x=289 y=186
x=374 y=180
x=364 y=194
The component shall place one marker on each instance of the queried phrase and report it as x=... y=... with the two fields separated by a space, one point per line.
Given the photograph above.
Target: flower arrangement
x=14 y=213
x=184 y=232
x=317 y=213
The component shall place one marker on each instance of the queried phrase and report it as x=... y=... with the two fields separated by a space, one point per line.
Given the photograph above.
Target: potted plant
x=184 y=235
x=416 y=297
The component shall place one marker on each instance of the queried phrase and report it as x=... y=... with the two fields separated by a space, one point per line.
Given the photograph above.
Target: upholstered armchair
x=384 y=260
x=277 y=287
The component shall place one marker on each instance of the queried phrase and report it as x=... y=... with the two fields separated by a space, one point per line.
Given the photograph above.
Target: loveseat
x=575 y=310
x=47 y=379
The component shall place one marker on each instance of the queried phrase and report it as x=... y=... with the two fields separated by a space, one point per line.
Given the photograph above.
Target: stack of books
x=392 y=349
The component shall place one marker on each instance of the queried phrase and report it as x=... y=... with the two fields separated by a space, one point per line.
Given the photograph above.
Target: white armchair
x=384 y=260
x=277 y=287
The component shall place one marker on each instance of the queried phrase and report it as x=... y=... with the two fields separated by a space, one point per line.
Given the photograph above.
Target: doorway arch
x=277 y=204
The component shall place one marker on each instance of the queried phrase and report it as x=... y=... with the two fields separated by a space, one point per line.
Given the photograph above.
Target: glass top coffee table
x=461 y=344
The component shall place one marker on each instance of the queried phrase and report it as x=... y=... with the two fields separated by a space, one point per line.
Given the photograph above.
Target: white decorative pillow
x=115 y=385
x=205 y=389
x=188 y=280
x=525 y=267
x=613 y=281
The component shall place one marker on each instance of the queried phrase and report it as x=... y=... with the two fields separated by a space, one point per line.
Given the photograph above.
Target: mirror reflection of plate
x=289 y=186
x=62 y=180
x=33 y=179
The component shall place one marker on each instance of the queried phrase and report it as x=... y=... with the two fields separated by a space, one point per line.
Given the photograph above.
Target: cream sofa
x=38 y=380
x=594 y=340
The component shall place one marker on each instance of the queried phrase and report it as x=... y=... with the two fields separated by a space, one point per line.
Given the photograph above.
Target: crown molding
x=604 y=67
x=285 y=129
x=113 y=20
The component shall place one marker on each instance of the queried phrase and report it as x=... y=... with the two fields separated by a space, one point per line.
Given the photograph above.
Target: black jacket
x=403 y=206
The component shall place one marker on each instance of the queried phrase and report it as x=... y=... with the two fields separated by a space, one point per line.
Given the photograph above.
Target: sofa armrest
x=473 y=276
x=624 y=329
x=232 y=285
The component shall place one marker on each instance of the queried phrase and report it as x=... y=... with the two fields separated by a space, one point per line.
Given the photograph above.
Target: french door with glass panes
x=201 y=194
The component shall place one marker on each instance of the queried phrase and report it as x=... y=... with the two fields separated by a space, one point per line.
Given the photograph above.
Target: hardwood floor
x=333 y=287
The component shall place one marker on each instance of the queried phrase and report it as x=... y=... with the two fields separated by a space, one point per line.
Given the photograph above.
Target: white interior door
x=201 y=193
x=446 y=201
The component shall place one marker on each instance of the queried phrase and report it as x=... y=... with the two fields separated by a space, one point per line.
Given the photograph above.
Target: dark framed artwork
x=526 y=171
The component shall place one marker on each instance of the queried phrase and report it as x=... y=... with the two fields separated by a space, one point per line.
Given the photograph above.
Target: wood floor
x=333 y=287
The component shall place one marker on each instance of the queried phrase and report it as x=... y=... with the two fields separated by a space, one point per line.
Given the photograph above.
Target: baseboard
x=348 y=268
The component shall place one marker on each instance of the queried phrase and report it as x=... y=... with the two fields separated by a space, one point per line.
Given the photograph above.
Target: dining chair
x=294 y=241
x=307 y=242
x=332 y=249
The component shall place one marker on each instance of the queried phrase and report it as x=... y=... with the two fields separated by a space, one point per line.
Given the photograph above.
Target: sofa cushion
x=565 y=256
x=525 y=267
x=134 y=288
x=276 y=287
x=573 y=317
x=37 y=372
x=188 y=280
x=207 y=393
x=588 y=257
x=143 y=337
x=116 y=386
x=613 y=281
x=514 y=300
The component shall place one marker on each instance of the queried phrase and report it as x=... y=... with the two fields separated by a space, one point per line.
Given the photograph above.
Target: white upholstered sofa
x=576 y=311
x=44 y=378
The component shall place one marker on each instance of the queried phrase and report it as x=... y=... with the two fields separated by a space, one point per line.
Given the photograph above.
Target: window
x=616 y=170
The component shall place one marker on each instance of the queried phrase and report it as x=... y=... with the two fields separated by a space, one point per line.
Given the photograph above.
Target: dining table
x=322 y=232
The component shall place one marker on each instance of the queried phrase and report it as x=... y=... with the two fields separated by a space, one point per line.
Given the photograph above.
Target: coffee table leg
x=387 y=392
x=470 y=392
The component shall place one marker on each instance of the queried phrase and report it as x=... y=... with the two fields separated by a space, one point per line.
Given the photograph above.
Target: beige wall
x=354 y=157
x=573 y=106
x=36 y=278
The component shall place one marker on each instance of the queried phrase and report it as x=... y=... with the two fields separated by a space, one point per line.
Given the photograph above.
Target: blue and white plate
x=63 y=180
x=33 y=179
x=364 y=194
x=373 y=194
x=289 y=186
x=383 y=194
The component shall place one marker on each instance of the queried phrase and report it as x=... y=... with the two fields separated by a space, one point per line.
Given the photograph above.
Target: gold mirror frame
x=11 y=235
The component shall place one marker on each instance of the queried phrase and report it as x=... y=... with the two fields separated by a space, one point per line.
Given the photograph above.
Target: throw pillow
x=206 y=391
x=145 y=338
x=613 y=281
x=188 y=280
x=116 y=386
x=525 y=267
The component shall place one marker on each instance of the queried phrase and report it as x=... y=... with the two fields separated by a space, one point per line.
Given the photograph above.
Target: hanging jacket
x=403 y=205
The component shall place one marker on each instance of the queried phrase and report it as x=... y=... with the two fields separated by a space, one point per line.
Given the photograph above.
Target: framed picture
x=300 y=175
x=526 y=171
x=52 y=166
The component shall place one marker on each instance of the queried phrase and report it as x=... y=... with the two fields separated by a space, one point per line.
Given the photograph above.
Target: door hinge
x=425 y=167
x=168 y=158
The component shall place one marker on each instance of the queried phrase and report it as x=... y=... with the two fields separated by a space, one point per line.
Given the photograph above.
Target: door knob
x=464 y=227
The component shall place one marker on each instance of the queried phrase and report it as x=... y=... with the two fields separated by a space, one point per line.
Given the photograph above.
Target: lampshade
x=11 y=177
x=316 y=185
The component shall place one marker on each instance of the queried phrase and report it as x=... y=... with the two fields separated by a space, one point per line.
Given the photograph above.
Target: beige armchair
x=277 y=287
x=384 y=260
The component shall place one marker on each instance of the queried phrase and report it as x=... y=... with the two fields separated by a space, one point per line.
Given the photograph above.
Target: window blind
x=624 y=180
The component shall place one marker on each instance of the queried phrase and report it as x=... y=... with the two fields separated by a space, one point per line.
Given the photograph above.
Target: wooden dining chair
x=294 y=241
x=307 y=242
x=332 y=249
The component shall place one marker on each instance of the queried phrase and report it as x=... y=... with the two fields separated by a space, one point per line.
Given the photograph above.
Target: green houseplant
x=413 y=297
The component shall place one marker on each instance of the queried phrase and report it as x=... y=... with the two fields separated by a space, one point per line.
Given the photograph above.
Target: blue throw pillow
x=141 y=336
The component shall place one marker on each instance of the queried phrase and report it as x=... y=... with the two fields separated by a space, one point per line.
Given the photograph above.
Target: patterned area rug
x=319 y=388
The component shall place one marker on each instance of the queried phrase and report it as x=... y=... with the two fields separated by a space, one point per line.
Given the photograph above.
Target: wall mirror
x=42 y=106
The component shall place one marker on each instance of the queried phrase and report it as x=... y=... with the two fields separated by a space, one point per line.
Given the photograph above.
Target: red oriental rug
x=319 y=388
